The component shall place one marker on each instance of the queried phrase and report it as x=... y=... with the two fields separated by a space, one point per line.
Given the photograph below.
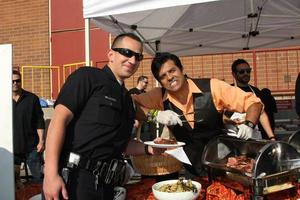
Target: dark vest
x=209 y=127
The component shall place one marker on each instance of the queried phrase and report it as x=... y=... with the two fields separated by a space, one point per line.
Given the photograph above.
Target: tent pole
x=146 y=43
x=157 y=42
x=87 y=41
x=134 y=28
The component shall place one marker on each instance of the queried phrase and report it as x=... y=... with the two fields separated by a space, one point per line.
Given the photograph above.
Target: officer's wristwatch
x=249 y=123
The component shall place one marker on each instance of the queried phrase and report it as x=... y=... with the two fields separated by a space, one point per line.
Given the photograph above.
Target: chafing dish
x=294 y=140
x=275 y=165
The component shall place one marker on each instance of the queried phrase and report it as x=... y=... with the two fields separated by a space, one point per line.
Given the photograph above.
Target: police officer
x=91 y=127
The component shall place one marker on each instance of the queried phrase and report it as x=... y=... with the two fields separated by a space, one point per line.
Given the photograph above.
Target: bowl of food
x=176 y=190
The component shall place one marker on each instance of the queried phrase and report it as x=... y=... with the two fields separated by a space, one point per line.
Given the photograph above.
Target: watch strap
x=249 y=123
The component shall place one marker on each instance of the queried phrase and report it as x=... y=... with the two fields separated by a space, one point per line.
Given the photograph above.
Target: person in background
x=241 y=71
x=297 y=95
x=28 y=129
x=142 y=131
x=142 y=83
x=270 y=106
x=91 y=127
x=193 y=108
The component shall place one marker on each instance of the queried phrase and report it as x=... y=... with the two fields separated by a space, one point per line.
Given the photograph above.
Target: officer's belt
x=109 y=171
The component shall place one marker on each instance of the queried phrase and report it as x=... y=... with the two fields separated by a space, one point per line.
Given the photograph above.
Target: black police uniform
x=209 y=125
x=99 y=131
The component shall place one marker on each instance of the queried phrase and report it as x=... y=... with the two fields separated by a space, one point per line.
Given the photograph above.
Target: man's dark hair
x=236 y=63
x=120 y=37
x=141 y=78
x=160 y=59
x=16 y=72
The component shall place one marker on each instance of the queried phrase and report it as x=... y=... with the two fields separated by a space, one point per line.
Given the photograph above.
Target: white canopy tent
x=195 y=27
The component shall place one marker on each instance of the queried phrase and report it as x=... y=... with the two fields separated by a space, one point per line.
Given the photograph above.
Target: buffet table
x=143 y=191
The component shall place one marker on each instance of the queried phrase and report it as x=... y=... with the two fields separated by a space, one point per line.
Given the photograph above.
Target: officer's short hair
x=162 y=58
x=236 y=63
x=120 y=37
x=141 y=78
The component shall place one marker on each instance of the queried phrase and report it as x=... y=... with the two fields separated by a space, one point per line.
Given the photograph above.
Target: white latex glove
x=231 y=132
x=168 y=117
x=244 y=132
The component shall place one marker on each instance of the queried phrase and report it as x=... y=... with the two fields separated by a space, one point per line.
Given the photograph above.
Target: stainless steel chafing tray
x=275 y=164
x=294 y=140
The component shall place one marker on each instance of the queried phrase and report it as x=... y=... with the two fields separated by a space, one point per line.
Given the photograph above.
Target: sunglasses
x=129 y=53
x=242 y=71
x=16 y=81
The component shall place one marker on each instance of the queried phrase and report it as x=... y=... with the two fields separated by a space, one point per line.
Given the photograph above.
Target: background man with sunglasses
x=241 y=72
x=28 y=129
x=142 y=83
x=91 y=127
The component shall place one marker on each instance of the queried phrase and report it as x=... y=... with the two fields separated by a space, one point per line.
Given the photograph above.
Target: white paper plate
x=151 y=143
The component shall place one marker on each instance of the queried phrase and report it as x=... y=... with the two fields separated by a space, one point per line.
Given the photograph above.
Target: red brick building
x=51 y=33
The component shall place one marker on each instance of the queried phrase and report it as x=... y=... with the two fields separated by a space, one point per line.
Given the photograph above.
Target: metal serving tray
x=276 y=165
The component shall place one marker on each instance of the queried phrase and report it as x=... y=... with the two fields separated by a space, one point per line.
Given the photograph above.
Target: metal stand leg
x=258 y=197
x=26 y=169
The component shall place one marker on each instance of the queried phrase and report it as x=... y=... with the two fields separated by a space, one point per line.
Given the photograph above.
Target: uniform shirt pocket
x=109 y=111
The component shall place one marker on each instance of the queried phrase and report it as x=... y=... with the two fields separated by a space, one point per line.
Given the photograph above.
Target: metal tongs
x=192 y=188
x=190 y=113
x=188 y=188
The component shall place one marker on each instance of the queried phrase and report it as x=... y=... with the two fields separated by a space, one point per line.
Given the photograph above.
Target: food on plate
x=165 y=141
x=179 y=186
x=241 y=163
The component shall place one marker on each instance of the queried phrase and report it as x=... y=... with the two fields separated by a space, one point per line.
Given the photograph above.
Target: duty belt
x=110 y=172
x=107 y=171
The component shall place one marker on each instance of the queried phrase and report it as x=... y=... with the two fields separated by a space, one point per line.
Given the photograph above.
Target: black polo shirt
x=103 y=113
x=136 y=91
x=27 y=118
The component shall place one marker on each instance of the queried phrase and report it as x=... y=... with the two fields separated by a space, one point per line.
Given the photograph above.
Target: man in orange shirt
x=206 y=99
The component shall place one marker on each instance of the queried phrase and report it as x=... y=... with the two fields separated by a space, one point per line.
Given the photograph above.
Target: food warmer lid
x=270 y=157
x=294 y=140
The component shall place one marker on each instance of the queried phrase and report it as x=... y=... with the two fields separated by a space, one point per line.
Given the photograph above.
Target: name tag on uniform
x=110 y=98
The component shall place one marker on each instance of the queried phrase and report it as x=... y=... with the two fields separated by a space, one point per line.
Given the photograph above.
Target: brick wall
x=276 y=69
x=25 y=25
